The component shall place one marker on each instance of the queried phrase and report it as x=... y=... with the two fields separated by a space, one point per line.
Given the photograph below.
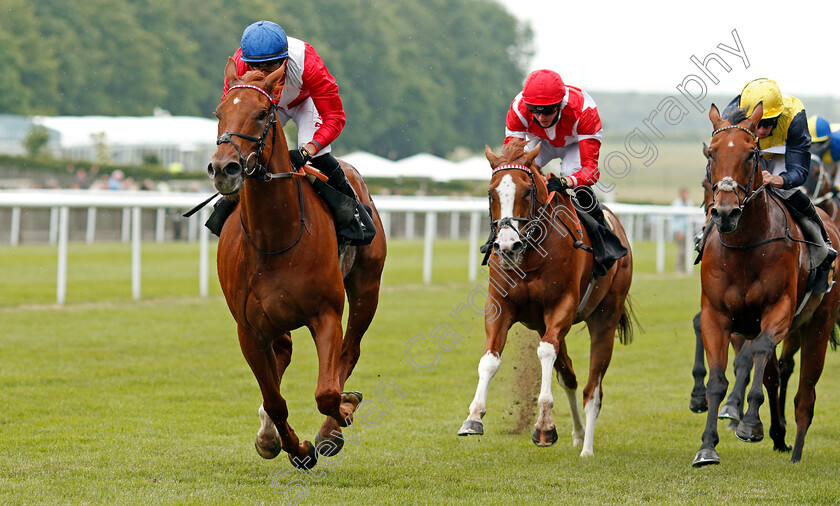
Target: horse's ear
x=230 y=72
x=752 y=121
x=275 y=77
x=531 y=155
x=491 y=157
x=706 y=151
x=714 y=115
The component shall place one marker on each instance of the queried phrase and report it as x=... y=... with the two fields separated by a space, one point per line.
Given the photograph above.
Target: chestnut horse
x=279 y=267
x=754 y=274
x=541 y=276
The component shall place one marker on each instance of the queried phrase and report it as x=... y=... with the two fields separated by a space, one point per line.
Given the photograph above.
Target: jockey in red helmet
x=564 y=120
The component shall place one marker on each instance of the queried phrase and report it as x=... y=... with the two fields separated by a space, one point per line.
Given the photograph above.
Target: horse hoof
x=782 y=448
x=471 y=428
x=329 y=447
x=345 y=397
x=265 y=452
x=729 y=412
x=544 y=438
x=698 y=404
x=705 y=457
x=307 y=462
x=749 y=432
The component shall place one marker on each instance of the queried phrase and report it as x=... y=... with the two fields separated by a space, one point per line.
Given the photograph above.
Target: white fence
x=633 y=217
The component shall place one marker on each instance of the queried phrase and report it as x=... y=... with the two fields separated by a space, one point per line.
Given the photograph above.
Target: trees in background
x=414 y=75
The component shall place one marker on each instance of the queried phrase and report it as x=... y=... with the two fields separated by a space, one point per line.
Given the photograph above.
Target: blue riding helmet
x=264 y=41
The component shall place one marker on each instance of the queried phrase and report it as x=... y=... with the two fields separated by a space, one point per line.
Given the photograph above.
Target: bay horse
x=753 y=281
x=819 y=189
x=279 y=267
x=541 y=276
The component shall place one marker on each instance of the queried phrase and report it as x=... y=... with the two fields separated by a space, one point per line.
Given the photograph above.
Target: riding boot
x=606 y=245
x=352 y=217
x=802 y=205
x=221 y=210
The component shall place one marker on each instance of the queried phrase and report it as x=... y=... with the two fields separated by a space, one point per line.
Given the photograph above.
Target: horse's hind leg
x=812 y=362
x=786 y=365
x=264 y=364
x=601 y=339
x=771 y=384
x=698 y=403
x=363 y=298
x=268 y=439
x=568 y=380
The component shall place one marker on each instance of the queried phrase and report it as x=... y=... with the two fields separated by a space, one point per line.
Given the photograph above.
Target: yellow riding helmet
x=765 y=91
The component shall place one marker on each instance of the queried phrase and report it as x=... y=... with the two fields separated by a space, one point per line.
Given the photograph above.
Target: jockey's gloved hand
x=299 y=157
x=557 y=184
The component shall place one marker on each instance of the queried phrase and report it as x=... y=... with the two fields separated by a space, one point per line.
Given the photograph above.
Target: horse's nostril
x=233 y=169
x=210 y=171
x=516 y=246
x=714 y=212
x=735 y=213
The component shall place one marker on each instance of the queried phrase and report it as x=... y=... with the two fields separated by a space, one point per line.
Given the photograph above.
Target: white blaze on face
x=236 y=100
x=506 y=190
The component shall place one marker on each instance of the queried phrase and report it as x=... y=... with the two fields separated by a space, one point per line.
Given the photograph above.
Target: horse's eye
x=262 y=115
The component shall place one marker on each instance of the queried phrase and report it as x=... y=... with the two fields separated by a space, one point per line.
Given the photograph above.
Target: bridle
x=260 y=171
x=536 y=217
x=727 y=184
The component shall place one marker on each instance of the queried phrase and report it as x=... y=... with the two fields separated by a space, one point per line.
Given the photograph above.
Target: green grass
x=108 y=400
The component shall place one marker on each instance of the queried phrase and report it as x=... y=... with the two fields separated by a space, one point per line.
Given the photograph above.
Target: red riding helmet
x=543 y=87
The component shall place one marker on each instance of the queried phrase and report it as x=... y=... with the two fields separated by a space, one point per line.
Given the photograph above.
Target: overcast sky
x=611 y=45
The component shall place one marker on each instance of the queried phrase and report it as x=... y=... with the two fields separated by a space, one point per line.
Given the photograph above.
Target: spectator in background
x=115 y=182
x=679 y=226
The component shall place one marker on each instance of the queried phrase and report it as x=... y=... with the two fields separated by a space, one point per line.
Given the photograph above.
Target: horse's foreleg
x=326 y=331
x=558 y=321
x=775 y=324
x=264 y=364
x=734 y=407
x=496 y=331
x=363 y=298
x=568 y=380
x=267 y=437
x=697 y=403
x=716 y=328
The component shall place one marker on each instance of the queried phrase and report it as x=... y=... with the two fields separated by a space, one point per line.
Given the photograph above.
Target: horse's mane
x=514 y=151
x=738 y=115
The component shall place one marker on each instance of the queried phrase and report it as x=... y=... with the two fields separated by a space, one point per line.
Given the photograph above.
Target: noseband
x=727 y=184
x=259 y=171
x=497 y=225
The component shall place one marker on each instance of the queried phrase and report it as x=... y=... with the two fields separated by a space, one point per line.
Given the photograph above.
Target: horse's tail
x=627 y=323
x=834 y=339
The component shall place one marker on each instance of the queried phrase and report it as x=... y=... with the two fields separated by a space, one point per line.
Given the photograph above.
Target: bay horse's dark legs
x=697 y=403
x=716 y=331
x=771 y=384
x=786 y=365
x=362 y=286
x=263 y=363
x=733 y=409
x=763 y=350
x=568 y=380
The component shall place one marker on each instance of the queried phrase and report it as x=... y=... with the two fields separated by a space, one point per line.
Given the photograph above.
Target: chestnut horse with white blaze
x=541 y=276
x=754 y=276
x=279 y=267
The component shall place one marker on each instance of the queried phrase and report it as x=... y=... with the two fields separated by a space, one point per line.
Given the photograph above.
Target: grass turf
x=108 y=400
